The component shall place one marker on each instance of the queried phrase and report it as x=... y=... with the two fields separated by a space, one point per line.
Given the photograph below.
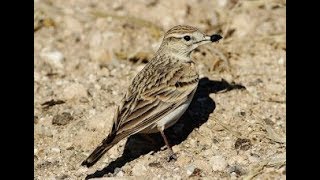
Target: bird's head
x=182 y=40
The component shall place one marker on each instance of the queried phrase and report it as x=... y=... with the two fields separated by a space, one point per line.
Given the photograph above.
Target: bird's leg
x=172 y=155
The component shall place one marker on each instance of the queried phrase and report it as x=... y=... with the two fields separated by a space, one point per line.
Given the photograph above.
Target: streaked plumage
x=160 y=93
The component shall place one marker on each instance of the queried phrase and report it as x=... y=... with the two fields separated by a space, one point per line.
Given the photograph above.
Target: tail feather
x=105 y=145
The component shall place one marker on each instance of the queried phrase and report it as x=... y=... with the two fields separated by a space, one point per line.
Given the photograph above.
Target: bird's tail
x=105 y=145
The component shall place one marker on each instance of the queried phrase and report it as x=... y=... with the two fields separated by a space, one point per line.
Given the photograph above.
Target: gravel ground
x=87 y=52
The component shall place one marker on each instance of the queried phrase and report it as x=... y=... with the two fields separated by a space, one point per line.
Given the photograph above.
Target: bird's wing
x=145 y=105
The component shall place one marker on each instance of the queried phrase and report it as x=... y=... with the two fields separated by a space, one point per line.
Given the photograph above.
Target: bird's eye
x=187 y=38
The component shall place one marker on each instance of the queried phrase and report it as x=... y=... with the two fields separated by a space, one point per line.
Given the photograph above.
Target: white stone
x=218 y=163
x=55 y=150
x=222 y=3
x=120 y=174
x=53 y=57
x=281 y=61
x=190 y=169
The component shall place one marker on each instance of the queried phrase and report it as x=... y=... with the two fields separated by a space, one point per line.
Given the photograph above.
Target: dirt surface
x=87 y=52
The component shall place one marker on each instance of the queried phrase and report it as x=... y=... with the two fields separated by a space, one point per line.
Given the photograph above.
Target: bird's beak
x=212 y=38
x=207 y=39
x=215 y=37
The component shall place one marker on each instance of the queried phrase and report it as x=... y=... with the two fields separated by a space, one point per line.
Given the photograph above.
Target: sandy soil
x=87 y=52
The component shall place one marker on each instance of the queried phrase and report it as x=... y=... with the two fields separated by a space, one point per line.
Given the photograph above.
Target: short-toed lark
x=160 y=93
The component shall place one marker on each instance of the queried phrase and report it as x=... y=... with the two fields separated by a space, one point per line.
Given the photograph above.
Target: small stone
x=120 y=174
x=35 y=119
x=55 y=150
x=243 y=144
x=62 y=119
x=75 y=91
x=176 y=148
x=183 y=160
x=281 y=61
x=196 y=172
x=54 y=58
x=61 y=177
x=222 y=3
x=84 y=100
x=52 y=178
x=44 y=131
x=113 y=153
x=193 y=143
x=233 y=174
x=139 y=170
x=190 y=169
x=236 y=169
x=116 y=171
x=155 y=164
x=70 y=148
x=218 y=163
x=255 y=82
x=36 y=76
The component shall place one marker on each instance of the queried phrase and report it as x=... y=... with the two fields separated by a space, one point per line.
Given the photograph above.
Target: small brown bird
x=160 y=93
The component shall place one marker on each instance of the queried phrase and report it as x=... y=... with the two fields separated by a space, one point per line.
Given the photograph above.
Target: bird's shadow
x=197 y=114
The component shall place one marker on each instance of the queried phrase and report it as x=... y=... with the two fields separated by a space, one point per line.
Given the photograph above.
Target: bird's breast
x=169 y=119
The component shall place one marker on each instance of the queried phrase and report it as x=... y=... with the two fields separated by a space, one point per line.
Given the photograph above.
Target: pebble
x=44 y=131
x=236 y=169
x=35 y=119
x=62 y=119
x=218 y=163
x=116 y=171
x=281 y=61
x=55 y=150
x=74 y=90
x=176 y=148
x=139 y=170
x=222 y=3
x=36 y=76
x=113 y=153
x=120 y=174
x=54 y=57
x=183 y=159
x=243 y=144
x=63 y=176
x=190 y=169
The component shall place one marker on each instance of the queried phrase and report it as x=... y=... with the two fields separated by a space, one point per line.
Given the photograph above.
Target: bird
x=160 y=93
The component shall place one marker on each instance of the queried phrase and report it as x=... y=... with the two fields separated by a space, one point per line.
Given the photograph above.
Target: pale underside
x=157 y=97
x=169 y=119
